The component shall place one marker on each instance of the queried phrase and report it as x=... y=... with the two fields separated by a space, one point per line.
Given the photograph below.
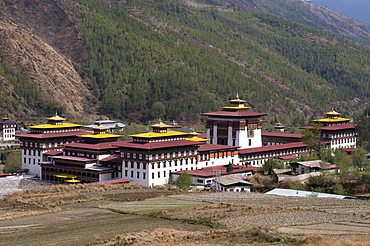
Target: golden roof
x=100 y=127
x=66 y=176
x=158 y=134
x=52 y=126
x=332 y=113
x=194 y=133
x=237 y=107
x=160 y=125
x=237 y=100
x=197 y=139
x=56 y=117
x=72 y=181
x=339 y=119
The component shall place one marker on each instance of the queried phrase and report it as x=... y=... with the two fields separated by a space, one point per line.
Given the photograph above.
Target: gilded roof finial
x=237 y=95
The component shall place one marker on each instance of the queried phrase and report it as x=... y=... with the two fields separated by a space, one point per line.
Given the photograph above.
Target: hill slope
x=40 y=39
x=175 y=59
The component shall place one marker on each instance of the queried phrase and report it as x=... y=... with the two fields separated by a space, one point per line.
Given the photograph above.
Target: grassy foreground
x=132 y=215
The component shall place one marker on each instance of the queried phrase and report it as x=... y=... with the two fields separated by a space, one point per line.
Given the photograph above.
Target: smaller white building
x=233 y=183
x=7 y=129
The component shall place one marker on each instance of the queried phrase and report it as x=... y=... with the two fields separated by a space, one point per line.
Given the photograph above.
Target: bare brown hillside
x=43 y=40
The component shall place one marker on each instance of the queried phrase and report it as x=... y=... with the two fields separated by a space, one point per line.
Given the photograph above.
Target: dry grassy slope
x=44 y=43
x=323 y=18
x=343 y=24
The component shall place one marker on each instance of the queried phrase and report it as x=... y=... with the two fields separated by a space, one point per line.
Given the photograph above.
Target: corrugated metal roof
x=302 y=193
x=232 y=179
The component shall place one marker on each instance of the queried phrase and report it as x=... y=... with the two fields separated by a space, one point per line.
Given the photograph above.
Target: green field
x=153 y=205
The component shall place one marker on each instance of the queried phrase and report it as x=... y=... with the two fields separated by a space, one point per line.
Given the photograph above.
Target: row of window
x=339 y=135
x=77 y=173
x=142 y=175
x=266 y=155
x=8 y=126
x=158 y=165
x=44 y=145
x=31 y=161
x=158 y=156
x=80 y=154
x=32 y=152
x=54 y=130
x=344 y=140
x=9 y=130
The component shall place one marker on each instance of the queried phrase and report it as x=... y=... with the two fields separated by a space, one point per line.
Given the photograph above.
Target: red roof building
x=44 y=138
x=207 y=175
x=257 y=156
x=274 y=138
x=336 y=130
x=235 y=125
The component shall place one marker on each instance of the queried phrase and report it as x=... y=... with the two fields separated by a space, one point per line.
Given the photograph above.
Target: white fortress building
x=62 y=152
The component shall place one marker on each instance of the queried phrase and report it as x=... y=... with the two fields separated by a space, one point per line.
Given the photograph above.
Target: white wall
x=105 y=177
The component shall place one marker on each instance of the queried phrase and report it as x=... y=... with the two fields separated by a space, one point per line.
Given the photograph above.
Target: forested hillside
x=173 y=59
x=165 y=59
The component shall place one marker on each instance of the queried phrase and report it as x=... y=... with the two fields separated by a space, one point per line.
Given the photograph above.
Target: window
x=144 y=176
x=164 y=173
x=137 y=175
x=132 y=174
x=152 y=175
x=159 y=174
x=138 y=166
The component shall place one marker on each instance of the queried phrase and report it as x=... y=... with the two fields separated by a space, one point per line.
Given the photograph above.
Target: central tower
x=235 y=125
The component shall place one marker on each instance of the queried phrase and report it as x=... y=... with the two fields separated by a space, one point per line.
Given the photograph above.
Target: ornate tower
x=235 y=125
